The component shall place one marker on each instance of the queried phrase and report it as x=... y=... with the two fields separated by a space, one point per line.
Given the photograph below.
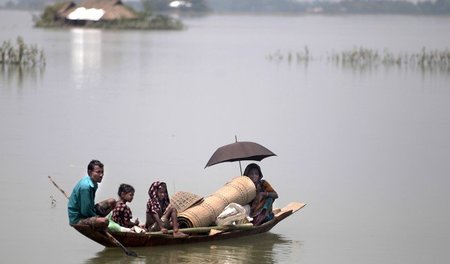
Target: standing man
x=82 y=208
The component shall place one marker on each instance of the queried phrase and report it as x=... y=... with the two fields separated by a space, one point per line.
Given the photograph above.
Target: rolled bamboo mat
x=239 y=190
x=183 y=200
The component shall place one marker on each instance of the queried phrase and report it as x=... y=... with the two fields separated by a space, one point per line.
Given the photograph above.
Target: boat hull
x=130 y=239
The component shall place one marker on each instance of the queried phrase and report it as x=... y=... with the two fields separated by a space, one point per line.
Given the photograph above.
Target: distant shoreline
x=260 y=13
x=287 y=7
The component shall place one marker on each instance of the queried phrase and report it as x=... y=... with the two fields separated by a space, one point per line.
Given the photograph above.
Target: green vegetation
x=50 y=19
x=279 y=56
x=361 y=58
x=21 y=54
x=158 y=22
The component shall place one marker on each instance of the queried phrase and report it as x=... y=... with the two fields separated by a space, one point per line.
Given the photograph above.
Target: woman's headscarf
x=153 y=204
x=253 y=166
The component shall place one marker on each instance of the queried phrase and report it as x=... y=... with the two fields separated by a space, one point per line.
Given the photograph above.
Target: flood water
x=366 y=148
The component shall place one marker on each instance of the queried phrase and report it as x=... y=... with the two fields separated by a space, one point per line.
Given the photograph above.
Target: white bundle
x=231 y=214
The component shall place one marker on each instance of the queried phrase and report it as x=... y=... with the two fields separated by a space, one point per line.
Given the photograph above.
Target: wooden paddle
x=113 y=239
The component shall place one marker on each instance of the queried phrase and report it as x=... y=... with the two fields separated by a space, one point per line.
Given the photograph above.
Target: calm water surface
x=367 y=149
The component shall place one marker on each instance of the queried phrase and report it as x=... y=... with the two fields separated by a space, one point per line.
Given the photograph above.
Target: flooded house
x=94 y=10
x=106 y=14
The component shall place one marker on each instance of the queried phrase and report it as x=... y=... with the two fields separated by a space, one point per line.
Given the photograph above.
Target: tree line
x=436 y=7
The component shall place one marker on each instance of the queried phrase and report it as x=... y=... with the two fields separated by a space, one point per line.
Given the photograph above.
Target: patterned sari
x=155 y=206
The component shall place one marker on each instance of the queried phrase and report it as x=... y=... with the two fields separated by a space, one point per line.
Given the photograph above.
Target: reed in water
x=365 y=57
x=21 y=54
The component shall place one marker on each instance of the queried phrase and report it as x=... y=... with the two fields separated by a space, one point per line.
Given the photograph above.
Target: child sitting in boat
x=261 y=206
x=161 y=215
x=122 y=213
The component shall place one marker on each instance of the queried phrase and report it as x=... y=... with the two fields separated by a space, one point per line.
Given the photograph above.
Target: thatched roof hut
x=65 y=8
x=114 y=9
x=110 y=10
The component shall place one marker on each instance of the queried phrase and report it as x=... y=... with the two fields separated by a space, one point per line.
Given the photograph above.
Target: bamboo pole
x=196 y=230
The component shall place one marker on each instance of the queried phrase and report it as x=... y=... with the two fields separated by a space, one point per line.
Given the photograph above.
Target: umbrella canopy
x=241 y=150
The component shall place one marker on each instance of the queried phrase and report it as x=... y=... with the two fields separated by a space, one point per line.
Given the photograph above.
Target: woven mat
x=183 y=200
x=240 y=190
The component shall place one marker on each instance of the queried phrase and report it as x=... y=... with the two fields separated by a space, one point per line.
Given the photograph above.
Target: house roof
x=113 y=9
x=66 y=8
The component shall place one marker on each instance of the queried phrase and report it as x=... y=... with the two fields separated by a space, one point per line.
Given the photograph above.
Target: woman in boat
x=261 y=206
x=161 y=215
x=122 y=214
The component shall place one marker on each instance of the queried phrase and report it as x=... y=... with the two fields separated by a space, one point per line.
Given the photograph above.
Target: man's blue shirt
x=81 y=201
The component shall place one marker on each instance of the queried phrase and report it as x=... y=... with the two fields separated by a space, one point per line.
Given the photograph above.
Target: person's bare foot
x=179 y=234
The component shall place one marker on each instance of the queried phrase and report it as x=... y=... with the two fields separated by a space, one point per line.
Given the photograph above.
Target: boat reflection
x=262 y=248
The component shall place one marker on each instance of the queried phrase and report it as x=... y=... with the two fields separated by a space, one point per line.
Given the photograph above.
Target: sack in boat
x=232 y=214
x=137 y=229
x=113 y=226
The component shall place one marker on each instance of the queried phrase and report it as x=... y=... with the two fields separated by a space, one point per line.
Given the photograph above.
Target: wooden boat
x=204 y=234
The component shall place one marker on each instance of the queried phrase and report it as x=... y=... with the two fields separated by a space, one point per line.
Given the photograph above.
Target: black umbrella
x=240 y=150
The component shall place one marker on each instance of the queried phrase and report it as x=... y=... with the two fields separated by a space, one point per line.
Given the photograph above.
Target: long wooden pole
x=196 y=230
x=59 y=188
x=113 y=239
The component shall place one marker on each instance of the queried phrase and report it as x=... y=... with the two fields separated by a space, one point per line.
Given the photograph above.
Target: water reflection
x=264 y=248
x=427 y=69
x=16 y=74
x=86 y=53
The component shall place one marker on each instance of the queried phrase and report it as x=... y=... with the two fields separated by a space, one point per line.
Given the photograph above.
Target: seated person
x=261 y=206
x=161 y=215
x=81 y=207
x=122 y=213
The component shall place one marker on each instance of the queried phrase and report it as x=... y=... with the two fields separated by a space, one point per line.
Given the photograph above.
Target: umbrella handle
x=240 y=166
